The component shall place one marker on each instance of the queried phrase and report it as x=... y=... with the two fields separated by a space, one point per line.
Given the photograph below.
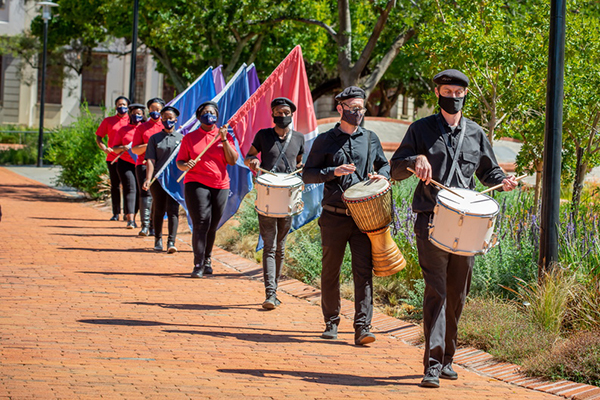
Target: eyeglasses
x=355 y=110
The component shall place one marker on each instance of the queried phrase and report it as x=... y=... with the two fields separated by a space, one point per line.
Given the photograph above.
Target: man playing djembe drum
x=340 y=158
x=281 y=150
x=450 y=149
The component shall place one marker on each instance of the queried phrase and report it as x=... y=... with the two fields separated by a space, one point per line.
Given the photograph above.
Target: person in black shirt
x=342 y=157
x=281 y=150
x=431 y=146
x=161 y=146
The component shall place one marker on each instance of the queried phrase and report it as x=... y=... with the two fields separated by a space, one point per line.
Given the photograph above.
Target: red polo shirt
x=109 y=127
x=211 y=170
x=143 y=133
x=123 y=137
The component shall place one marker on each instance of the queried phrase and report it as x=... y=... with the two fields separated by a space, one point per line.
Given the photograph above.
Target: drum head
x=366 y=189
x=279 y=180
x=473 y=203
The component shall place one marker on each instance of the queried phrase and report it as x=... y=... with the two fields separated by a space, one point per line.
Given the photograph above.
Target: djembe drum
x=370 y=205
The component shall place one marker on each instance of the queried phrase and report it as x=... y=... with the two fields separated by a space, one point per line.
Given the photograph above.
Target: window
x=93 y=81
x=54 y=84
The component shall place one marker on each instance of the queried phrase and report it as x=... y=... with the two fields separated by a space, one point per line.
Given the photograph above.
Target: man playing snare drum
x=341 y=157
x=281 y=150
x=449 y=149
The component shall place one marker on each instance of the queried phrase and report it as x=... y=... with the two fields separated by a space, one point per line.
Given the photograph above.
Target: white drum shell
x=458 y=230
x=279 y=196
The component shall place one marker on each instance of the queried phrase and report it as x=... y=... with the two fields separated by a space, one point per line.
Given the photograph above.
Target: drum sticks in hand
x=438 y=184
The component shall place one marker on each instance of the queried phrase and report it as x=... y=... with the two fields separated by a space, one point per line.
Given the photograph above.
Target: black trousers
x=447 y=282
x=115 y=187
x=162 y=202
x=128 y=180
x=206 y=206
x=274 y=231
x=336 y=231
x=140 y=173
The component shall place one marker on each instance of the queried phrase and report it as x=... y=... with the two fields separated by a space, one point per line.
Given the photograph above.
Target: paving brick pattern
x=87 y=310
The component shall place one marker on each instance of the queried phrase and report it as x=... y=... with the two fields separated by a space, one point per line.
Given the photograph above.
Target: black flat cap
x=283 y=101
x=122 y=98
x=135 y=106
x=205 y=104
x=451 y=77
x=155 y=100
x=170 y=108
x=351 y=92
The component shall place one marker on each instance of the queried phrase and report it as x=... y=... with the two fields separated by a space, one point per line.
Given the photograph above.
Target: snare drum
x=370 y=205
x=279 y=195
x=464 y=226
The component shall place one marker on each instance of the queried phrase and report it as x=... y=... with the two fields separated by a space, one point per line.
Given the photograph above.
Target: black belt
x=337 y=210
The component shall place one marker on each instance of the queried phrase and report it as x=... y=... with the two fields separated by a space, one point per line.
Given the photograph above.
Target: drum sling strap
x=454 y=153
x=282 y=150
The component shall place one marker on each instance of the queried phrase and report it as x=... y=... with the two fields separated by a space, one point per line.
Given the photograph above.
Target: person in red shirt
x=126 y=163
x=206 y=182
x=140 y=142
x=108 y=128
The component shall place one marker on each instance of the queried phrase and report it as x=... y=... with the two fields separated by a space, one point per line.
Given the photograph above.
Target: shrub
x=74 y=148
x=576 y=359
x=25 y=156
x=498 y=327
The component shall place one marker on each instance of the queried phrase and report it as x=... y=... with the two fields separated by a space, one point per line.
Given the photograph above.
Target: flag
x=218 y=79
x=201 y=90
x=253 y=82
x=289 y=80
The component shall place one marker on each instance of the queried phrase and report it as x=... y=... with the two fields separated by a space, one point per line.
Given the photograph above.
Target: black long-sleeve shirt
x=424 y=137
x=334 y=148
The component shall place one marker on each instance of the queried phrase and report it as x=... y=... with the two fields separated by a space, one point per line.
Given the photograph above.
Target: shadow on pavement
x=170 y=275
x=75 y=219
x=96 y=235
x=148 y=250
x=262 y=337
x=31 y=193
x=196 y=307
x=122 y=227
x=325 y=378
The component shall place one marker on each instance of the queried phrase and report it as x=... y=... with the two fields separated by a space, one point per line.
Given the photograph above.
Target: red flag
x=287 y=80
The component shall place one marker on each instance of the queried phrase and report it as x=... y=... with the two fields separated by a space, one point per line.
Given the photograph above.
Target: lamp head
x=46 y=9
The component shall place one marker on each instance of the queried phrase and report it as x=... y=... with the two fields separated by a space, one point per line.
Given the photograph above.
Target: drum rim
x=279 y=174
x=457 y=252
x=363 y=199
x=466 y=212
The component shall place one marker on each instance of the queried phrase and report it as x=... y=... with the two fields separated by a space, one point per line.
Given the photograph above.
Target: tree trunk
x=538 y=185
x=344 y=43
x=325 y=88
x=178 y=80
x=580 y=172
x=492 y=125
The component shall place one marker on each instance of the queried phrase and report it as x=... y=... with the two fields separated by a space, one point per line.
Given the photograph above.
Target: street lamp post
x=46 y=15
x=133 y=51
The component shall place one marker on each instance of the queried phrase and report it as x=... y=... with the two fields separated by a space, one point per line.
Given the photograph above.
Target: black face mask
x=282 y=122
x=452 y=105
x=353 y=118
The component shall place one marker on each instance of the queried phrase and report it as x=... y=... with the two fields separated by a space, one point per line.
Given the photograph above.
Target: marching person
x=206 y=182
x=342 y=157
x=140 y=142
x=160 y=147
x=126 y=164
x=449 y=148
x=281 y=150
x=108 y=128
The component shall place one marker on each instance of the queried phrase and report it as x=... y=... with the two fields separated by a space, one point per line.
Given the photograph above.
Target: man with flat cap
x=281 y=150
x=340 y=158
x=451 y=149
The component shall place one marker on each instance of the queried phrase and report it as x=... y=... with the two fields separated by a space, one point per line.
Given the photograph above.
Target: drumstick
x=500 y=185
x=200 y=155
x=438 y=184
x=295 y=172
x=264 y=171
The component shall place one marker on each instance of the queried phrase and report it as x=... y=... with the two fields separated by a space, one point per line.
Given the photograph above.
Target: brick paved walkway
x=88 y=311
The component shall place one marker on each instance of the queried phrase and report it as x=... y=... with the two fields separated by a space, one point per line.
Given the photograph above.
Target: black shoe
x=158 y=245
x=131 y=225
x=198 y=272
x=448 y=373
x=431 y=379
x=330 y=331
x=144 y=232
x=363 y=336
x=115 y=217
x=208 y=266
x=270 y=303
x=171 y=248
